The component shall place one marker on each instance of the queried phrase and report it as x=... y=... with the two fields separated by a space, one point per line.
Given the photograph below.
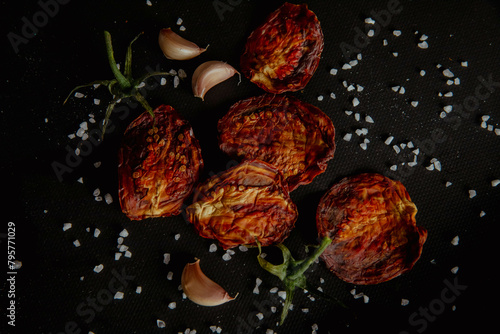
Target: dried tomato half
x=159 y=163
x=247 y=202
x=283 y=53
x=371 y=220
x=294 y=136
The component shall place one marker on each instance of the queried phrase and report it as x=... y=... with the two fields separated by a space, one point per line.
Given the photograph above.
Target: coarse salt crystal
x=212 y=248
x=160 y=323
x=119 y=241
x=176 y=81
x=495 y=182
x=179 y=21
x=353 y=62
x=67 y=226
x=472 y=193
x=226 y=257
x=457 y=81
x=243 y=248
x=76 y=243
x=454 y=270
x=423 y=45
x=124 y=233
x=448 y=108
x=393 y=167
x=355 y=102
x=166 y=258
x=163 y=81
x=402 y=90
x=369 y=20
x=172 y=305
x=384 y=42
x=396 y=33
x=455 y=240
x=404 y=302
x=97 y=102
x=389 y=139
x=282 y=294
x=395 y=88
x=122 y=248
x=370 y=33
x=108 y=198
x=177 y=236
x=138 y=290
x=347 y=136
x=98 y=268
x=448 y=183
x=424 y=37
x=414 y=103
x=348 y=112
x=320 y=98
x=395 y=54
x=97 y=232
x=118 y=256
x=368 y=119
x=464 y=64
x=170 y=275
x=366 y=299
x=333 y=71
x=396 y=148
x=260 y=316
x=182 y=28
x=346 y=66
x=128 y=254
x=363 y=146
x=333 y=96
x=422 y=73
x=447 y=73
x=482 y=214
x=350 y=88
x=359 y=88
x=118 y=295
x=79 y=95
x=357 y=117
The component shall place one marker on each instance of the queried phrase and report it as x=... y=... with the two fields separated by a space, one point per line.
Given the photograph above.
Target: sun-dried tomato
x=159 y=163
x=371 y=220
x=294 y=136
x=246 y=203
x=283 y=53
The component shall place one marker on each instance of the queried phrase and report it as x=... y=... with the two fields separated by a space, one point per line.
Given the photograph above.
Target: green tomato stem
x=122 y=81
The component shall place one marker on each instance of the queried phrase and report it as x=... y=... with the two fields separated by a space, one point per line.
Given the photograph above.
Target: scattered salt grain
x=384 y=42
x=423 y=45
x=118 y=256
x=366 y=299
x=333 y=96
x=464 y=64
x=346 y=66
x=160 y=323
x=212 y=248
x=393 y=167
x=414 y=103
x=138 y=290
x=448 y=94
x=282 y=294
x=149 y=3
x=177 y=236
x=396 y=33
x=128 y=254
x=355 y=102
x=369 y=20
x=454 y=270
x=226 y=257
x=347 y=136
x=350 y=88
x=182 y=28
x=353 y=62
x=364 y=146
x=455 y=240
x=273 y=290
x=333 y=71
x=495 y=183
x=404 y=302
x=176 y=81
x=482 y=214
x=402 y=90
x=118 y=295
x=170 y=275
x=395 y=54
x=422 y=73
x=76 y=243
x=124 y=233
x=67 y=226
x=472 y=193
x=357 y=117
x=166 y=258
x=98 y=268
x=179 y=21
x=182 y=73
x=243 y=248
x=448 y=108
x=108 y=198
x=389 y=139
x=368 y=119
x=447 y=73
x=260 y=316
x=79 y=95
x=320 y=98
x=359 y=88
x=172 y=305
x=396 y=148
x=395 y=88
x=457 y=81
x=370 y=33
x=97 y=232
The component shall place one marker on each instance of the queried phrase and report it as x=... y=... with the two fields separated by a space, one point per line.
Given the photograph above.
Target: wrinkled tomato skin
x=283 y=53
x=159 y=162
x=294 y=136
x=371 y=220
x=246 y=203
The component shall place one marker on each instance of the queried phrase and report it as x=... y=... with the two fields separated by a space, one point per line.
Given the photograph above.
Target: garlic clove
x=209 y=74
x=177 y=48
x=200 y=289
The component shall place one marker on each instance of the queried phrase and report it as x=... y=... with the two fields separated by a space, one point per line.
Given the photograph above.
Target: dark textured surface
x=68 y=50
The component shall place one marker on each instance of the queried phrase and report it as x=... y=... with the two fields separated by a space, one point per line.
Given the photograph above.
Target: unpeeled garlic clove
x=200 y=289
x=209 y=74
x=177 y=48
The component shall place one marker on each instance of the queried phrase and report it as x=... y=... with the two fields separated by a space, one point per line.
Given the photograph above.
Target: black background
x=68 y=50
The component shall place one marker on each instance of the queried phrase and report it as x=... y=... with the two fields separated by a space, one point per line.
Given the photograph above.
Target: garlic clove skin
x=176 y=47
x=200 y=289
x=209 y=74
